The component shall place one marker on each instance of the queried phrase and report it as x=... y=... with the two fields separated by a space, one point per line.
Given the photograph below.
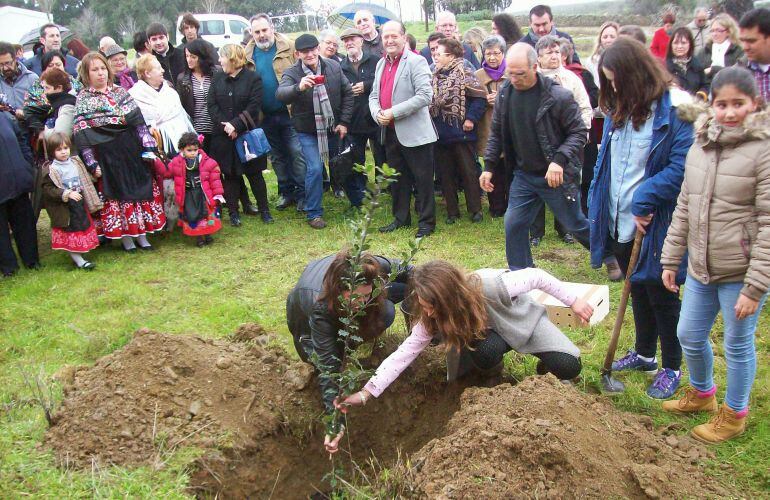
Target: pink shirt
x=516 y=282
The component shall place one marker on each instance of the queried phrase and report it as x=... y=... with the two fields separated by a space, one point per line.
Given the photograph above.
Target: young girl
x=70 y=198
x=198 y=188
x=722 y=221
x=479 y=317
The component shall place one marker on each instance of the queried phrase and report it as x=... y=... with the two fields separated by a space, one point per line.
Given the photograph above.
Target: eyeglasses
x=8 y=64
x=495 y=54
x=718 y=30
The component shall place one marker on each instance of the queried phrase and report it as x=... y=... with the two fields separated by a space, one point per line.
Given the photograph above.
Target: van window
x=213 y=27
x=237 y=27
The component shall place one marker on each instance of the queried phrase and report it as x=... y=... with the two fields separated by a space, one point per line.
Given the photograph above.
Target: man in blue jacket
x=50 y=38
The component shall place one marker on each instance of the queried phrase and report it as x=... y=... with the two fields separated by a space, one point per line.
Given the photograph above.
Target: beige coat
x=485 y=124
x=722 y=215
x=284 y=54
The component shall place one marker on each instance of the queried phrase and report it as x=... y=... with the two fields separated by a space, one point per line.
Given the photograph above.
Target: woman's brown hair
x=85 y=66
x=339 y=278
x=56 y=78
x=459 y=310
x=639 y=80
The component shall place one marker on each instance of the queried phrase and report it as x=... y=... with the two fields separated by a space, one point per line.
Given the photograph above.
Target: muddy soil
x=255 y=412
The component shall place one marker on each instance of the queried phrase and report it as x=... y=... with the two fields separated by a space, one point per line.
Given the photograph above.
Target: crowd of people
x=666 y=141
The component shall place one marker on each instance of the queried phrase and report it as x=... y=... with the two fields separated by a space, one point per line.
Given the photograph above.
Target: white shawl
x=162 y=110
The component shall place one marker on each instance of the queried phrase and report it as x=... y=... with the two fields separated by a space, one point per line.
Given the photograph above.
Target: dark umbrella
x=29 y=40
x=342 y=18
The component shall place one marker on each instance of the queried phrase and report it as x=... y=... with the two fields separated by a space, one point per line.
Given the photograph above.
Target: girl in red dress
x=70 y=198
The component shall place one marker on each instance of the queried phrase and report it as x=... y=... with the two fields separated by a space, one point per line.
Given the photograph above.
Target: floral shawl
x=451 y=86
x=98 y=115
x=36 y=97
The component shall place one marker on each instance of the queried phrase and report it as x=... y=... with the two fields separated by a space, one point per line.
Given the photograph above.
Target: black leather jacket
x=315 y=329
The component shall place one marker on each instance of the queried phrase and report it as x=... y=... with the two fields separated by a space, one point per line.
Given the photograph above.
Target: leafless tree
x=212 y=6
x=128 y=27
x=90 y=26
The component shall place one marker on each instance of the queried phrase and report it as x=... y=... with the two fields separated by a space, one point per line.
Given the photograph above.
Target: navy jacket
x=469 y=55
x=35 y=63
x=531 y=41
x=657 y=194
x=16 y=169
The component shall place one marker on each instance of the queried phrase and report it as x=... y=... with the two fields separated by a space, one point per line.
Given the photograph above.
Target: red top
x=659 y=44
x=387 y=82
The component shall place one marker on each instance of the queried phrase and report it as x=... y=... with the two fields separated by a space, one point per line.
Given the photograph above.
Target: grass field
x=57 y=316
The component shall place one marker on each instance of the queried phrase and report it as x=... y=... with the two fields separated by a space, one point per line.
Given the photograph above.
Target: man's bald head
x=521 y=65
x=394 y=26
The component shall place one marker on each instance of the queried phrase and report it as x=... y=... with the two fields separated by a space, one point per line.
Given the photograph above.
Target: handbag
x=252 y=143
x=341 y=164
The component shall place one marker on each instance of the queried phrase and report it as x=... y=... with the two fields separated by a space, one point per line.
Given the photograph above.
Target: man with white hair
x=329 y=44
x=106 y=41
x=271 y=54
x=446 y=23
x=366 y=24
x=700 y=28
x=537 y=128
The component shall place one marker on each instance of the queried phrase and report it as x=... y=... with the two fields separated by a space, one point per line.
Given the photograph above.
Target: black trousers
x=656 y=314
x=415 y=166
x=498 y=198
x=235 y=187
x=17 y=215
x=459 y=160
x=359 y=148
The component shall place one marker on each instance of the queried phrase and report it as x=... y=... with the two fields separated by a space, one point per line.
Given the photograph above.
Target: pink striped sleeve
x=530 y=278
x=391 y=368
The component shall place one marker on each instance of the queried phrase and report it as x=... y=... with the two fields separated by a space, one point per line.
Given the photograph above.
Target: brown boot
x=691 y=403
x=722 y=426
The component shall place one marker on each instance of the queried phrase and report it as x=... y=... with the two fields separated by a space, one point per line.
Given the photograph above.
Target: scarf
x=494 y=73
x=451 y=85
x=718 y=53
x=125 y=79
x=36 y=96
x=96 y=109
x=680 y=63
x=322 y=109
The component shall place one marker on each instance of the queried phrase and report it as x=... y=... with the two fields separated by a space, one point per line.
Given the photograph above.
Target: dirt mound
x=161 y=391
x=255 y=412
x=542 y=439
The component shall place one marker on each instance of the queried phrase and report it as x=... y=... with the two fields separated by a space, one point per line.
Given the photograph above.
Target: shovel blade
x=611 y=385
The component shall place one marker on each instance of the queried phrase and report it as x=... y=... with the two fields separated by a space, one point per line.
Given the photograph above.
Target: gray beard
x=263 y=45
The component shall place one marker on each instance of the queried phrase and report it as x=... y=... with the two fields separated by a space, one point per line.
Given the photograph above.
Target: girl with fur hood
x=722 y=224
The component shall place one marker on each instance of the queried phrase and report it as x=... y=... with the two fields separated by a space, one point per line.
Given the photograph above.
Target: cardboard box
x=562 y=316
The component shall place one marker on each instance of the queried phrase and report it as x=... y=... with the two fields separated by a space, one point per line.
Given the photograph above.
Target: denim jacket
x=657 y=194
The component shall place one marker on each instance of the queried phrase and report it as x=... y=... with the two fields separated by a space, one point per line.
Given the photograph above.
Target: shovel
x=610 y=385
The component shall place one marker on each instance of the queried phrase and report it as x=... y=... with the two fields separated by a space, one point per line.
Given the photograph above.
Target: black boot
x=266 y=217
x=235 y=219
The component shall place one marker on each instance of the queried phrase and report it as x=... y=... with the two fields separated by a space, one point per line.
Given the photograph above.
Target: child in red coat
x=198 y=187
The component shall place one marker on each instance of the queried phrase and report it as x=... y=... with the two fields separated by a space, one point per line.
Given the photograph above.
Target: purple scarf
x=125 y=80
x=494 y=73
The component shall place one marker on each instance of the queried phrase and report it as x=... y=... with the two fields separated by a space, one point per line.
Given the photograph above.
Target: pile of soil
x=542 y=439
x=256 y=413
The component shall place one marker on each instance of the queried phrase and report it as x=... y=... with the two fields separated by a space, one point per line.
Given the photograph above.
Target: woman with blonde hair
x=474 y=37
x=723 y=49
x=234 y=103
x=608 y=33
x=479 y=317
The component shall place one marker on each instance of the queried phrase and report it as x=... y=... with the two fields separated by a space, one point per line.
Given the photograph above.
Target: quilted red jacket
x=211 y=179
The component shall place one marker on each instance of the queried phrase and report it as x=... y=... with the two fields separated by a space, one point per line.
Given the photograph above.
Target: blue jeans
x=285 y=155
x=700 y=307
x=314 y=175
x=527 y=194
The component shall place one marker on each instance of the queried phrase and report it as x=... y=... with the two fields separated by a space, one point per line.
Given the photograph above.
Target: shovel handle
x=607 y=368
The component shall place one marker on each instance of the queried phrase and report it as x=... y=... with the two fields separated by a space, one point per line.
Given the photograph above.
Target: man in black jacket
x=321 y=110
x=315 y=325
x=171 y=59
x=359 y=67
x=537 y=126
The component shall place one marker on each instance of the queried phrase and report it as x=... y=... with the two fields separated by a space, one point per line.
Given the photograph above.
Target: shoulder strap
x=248 y=120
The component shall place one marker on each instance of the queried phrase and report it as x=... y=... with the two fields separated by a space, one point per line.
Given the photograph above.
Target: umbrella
x=342 y=18
x=32 y=37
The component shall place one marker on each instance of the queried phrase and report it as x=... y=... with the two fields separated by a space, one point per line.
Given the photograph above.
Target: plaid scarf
x=324 y=116
x=451 y=85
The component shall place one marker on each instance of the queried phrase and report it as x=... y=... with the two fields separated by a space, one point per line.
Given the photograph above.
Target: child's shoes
x=726 y=424
x=632 y=361
x=665 y=384
x=693 y=401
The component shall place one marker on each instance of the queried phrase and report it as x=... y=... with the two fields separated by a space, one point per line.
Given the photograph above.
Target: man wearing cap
x=359 y=67
x=321 y=109
x=367 y=26
x=401 y=94
x=50 y=38
x=273 y=53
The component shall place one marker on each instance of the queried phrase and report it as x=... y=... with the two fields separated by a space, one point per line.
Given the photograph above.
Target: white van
x=219 y=29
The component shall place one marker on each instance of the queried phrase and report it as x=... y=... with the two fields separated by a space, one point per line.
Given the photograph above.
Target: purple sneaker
x=632 y=361
x=665 y=384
